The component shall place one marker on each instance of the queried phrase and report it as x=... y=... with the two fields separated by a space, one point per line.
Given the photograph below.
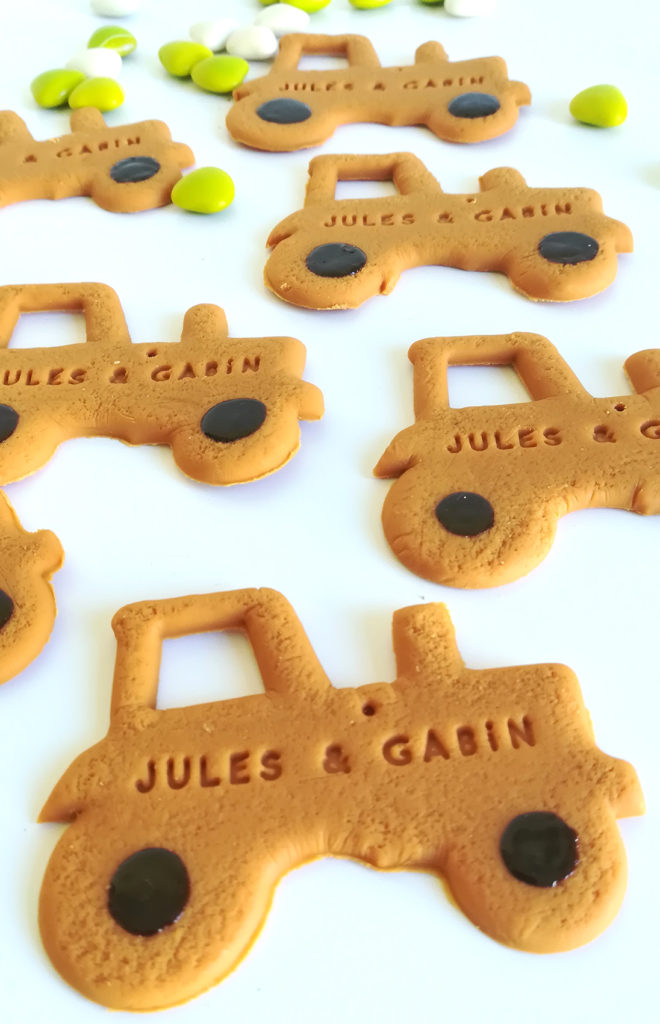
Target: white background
x=342 y=943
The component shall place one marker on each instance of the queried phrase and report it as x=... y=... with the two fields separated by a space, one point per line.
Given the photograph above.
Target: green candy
x=220 y=74
x=206 y=190
x=432 y=3
x=113 y=37
x=311 y=6
x=53 y=88
x=180 y=58
x=102 y=93
x=369 y=5
x=601 y=105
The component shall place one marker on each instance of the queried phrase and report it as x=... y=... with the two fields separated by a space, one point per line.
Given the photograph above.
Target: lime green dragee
x=311 y=6
x=220 y=74
x=102 y=93
x=53 y=88
x=369 y=5
x=206 y=190
x=601 y=105
x=179 y=58
x=113 y=37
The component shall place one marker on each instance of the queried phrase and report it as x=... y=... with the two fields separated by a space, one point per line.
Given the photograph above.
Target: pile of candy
x=200 y=59
x=90 y=77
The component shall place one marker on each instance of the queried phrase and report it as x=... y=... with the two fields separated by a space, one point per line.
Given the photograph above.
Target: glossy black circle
x=148 y=891
x=474 y=104
x=539 y=848
x=284 y=111
x=233 y=419
x=8 y=421
x=336 y=259
x=464 y=513
x=6 y=608
x=134 y=168
x=568 y=247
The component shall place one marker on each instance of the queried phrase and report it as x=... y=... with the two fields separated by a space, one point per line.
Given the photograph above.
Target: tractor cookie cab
x=228 y=407
x=552 y=243
x=480 y=490
x=184 y=820
x=27 y=605
x=464 y=101
x=124 y=168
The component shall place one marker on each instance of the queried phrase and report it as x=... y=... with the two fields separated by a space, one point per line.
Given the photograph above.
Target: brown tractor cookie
x=27 y=604
x=552 y=243
x=464 y=101
x=124 y=168
x=228 y=407
x=480 y=489
x=184 y=820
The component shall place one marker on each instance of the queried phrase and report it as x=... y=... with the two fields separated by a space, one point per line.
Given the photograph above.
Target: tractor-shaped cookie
x=124 y=168
x=228 y=407
x=464 y=101
x=184 y=820
x=27 y=605
x=552 y=243
x=480 y=489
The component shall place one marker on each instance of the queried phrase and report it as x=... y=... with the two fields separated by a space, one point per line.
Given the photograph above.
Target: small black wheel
x=134 y=169
x=6 y=608
x=8 y=421
x=474 y=104
x=539 y=848
x=148 y=891
x=284 y=111
x=465 y=513
x=233 y=419
x=336 y=259
x=568 y=247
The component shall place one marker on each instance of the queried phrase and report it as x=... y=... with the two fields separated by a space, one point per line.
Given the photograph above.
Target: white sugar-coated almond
x=213 y=34
x=283 y=18
x=115 y=8
x=469 y=8
x=254 y=43
x=96 y=62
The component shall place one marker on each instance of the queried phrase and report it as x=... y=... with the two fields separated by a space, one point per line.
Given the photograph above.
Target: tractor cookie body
x=465 y=101
x=228 y=407
x=553 y=244
x=184 y=820
x=27 y=605
x=480 y=490
x=124 y=168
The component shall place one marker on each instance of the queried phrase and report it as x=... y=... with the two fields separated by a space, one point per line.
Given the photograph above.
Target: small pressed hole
x=619 y=407
x=152 y=352
x=471 y=199
x=368 y=710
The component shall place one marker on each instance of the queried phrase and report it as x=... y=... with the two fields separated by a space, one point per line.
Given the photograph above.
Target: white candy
x=254 y=43
x=469 y=8
x=283 y=18
x=115 y=8
x=97 y=62
x=213 y=34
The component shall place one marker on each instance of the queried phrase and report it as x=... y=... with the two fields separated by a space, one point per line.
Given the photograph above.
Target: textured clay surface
x=228 y=407
x=27 y=603
x=552 y=243
x=124 y=168
x=433 y=772
x=464 y=101
x=519 y=467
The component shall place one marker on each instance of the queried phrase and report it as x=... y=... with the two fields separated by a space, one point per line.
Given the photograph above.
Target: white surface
x=342 y=943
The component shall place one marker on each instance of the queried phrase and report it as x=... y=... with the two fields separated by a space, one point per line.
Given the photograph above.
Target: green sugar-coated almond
x=113 y=37
x=206 y=190
x=180 y=58
x=53 y=88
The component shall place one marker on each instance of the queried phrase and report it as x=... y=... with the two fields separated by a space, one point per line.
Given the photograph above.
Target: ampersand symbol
x=335 y=760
